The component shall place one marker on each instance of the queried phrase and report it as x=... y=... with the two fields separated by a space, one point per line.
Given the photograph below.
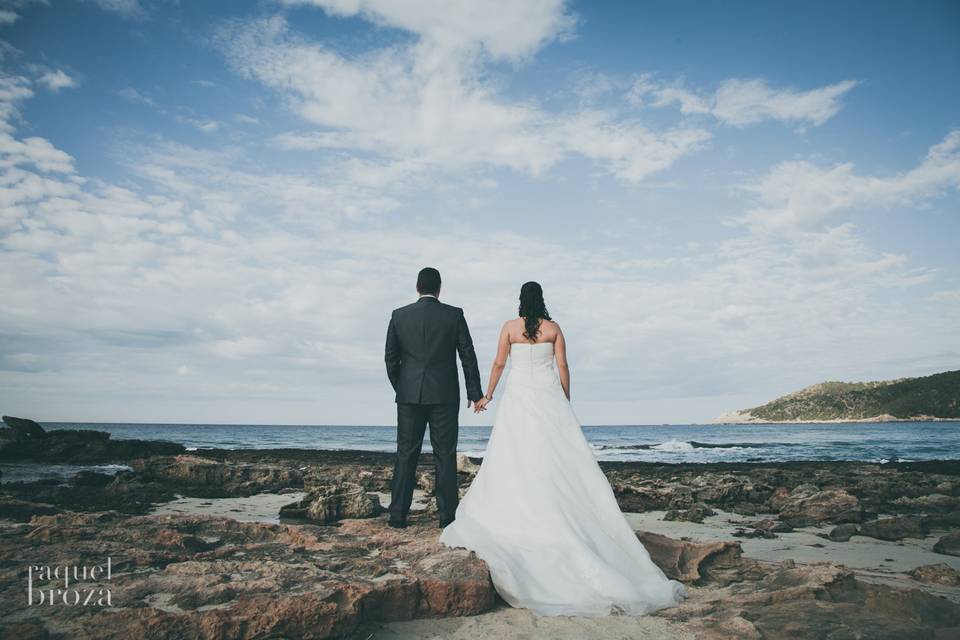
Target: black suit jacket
x=423 y=340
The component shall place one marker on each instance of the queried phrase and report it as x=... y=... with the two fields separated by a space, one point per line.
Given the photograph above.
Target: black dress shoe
x=444 y=523
x=397 y=524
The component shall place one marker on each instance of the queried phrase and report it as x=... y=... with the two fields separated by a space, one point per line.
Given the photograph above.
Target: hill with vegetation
x=927 y=398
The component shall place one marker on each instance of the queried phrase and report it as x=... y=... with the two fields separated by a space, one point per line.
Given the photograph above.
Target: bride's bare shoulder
x=550 y=329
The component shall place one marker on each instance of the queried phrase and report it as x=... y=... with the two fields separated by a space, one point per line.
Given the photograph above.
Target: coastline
x=739 y=417
x=203 y=548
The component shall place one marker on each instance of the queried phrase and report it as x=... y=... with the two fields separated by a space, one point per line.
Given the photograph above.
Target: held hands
x=481 y=404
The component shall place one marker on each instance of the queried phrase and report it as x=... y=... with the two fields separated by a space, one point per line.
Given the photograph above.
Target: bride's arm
x=560 y=351
x=499 y=362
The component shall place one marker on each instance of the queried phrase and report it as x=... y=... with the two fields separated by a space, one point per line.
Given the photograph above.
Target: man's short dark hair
x=428 y=281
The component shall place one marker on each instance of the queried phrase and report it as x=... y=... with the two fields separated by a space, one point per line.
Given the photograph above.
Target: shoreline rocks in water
x=25 y=439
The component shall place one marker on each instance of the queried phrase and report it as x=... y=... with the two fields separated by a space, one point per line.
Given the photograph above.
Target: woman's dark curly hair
x=532 y=309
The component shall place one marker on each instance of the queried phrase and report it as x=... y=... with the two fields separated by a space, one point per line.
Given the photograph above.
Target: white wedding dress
x=542 y=514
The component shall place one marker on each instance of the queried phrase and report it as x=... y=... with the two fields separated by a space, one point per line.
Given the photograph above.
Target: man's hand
x=480 y=405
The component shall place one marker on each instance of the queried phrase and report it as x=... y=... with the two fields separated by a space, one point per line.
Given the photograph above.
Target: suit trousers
x=412 y=420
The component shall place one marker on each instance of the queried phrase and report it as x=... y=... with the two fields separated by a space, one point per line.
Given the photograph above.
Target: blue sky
x=209 y=209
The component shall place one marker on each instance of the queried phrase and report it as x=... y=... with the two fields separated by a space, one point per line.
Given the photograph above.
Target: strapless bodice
x=531 y=357
x=531 y=353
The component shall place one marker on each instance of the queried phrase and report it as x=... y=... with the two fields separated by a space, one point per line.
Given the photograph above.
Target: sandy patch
x=506 y=623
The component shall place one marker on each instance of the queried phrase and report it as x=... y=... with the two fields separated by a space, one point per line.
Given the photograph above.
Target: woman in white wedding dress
x=540 y=511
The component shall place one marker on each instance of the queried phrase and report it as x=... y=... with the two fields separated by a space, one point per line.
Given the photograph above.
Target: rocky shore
x=23 y=439
x=744 y=537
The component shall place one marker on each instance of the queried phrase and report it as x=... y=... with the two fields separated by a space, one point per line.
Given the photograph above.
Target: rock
x=124 y=493
x=754 y=533
x=329 y=504
x=799 y=522
x=747 y=509
x=465 y=464
x=940 y=573
x=208 y=478
x=843 y=532
x=695 y=513
x=87 y=478
x=652 y=495
x=684 y=560
x=935 y=502
x=778 y=499
x=943 y=520
x=24 y=427
x=819 y=600
x=426 y=480
x=739 y=628
x=893 y=528
x=23 y=510
x=773 y=526
x=830 y=505
x=27 y=440
x=209 y=577
x=129 y=449
x=949 y=544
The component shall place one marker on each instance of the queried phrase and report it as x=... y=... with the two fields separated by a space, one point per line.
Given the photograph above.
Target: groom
x=423 y=339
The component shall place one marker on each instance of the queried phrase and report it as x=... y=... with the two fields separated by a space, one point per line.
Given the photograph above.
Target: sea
x=865 y=441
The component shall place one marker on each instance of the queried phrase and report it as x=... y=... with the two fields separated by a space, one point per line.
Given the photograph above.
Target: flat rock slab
x=822 y=600
x=211 y=577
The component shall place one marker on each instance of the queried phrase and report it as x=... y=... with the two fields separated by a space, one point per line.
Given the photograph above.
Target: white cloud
x=260 y=290
x=506 y=29
x=206 y=126
x=9 y=9
x=126 y=8
x=35 y=151
x=800 y=194
x=133 y=95
x=739 y=102
x=56 y=80
x=391 y=100
x=13 y=89
x=212 y=286
x=946 y=296
x=628 y=149
x=406 y=101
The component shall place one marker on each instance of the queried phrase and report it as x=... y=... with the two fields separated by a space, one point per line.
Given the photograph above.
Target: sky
x=208 y=210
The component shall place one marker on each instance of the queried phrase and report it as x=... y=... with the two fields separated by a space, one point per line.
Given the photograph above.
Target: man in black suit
x=423 y=340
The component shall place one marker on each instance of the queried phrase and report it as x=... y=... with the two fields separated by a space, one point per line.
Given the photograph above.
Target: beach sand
x=508 y=623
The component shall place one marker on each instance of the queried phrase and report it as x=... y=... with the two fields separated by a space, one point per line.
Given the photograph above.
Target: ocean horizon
x=697 y=443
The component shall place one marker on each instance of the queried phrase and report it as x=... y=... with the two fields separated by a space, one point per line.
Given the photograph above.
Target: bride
x=540 y=511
